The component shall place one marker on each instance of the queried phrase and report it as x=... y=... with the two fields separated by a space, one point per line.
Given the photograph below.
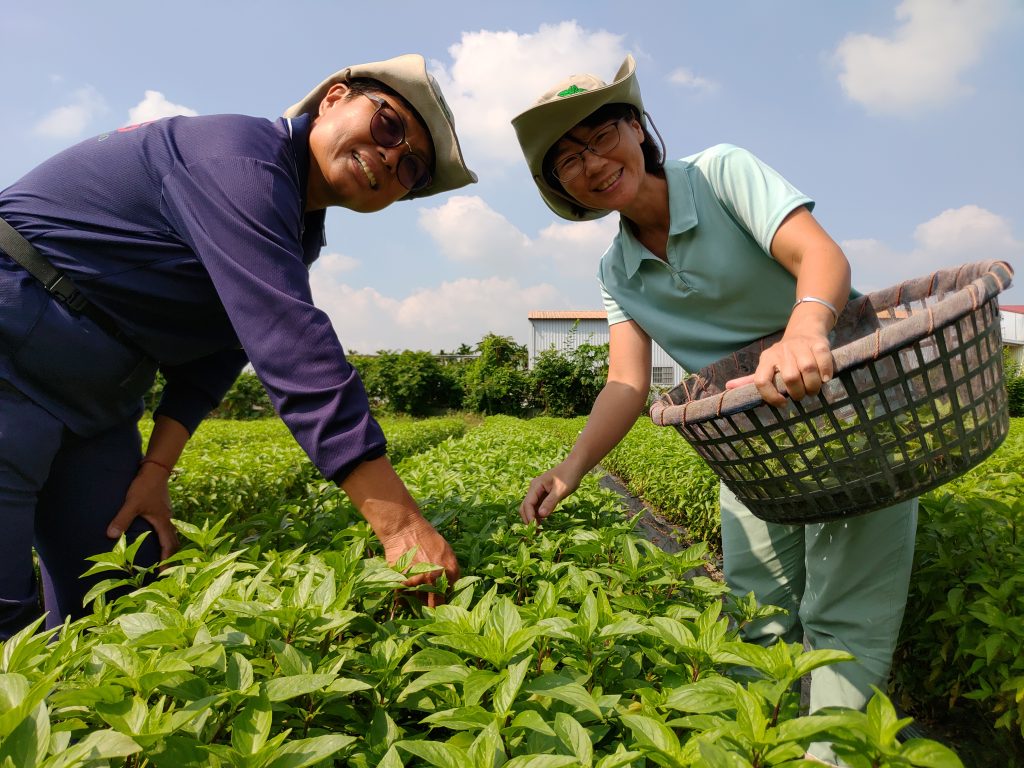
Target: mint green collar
x=682 y=212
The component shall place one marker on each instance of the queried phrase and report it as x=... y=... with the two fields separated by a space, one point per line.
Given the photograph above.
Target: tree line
x=490 y=377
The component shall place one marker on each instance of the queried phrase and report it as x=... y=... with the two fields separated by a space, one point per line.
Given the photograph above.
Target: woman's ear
x=637 y=128
x=334 y=94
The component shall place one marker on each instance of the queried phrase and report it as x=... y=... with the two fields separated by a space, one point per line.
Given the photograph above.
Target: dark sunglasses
x=388 y=129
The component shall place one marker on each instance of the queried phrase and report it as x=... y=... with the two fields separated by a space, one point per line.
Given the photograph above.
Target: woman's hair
x=368 y=85
x=653 y=157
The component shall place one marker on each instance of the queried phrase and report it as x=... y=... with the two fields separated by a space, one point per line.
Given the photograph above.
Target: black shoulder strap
x=55 y=281
x=57 y=284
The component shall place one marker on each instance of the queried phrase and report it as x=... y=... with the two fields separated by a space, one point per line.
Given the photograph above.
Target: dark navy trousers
x=60 y=486
x=58 y=493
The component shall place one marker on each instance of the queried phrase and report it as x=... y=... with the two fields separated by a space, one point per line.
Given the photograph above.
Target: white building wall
x=558 y=333
x=661 y=364
x=1013 y=333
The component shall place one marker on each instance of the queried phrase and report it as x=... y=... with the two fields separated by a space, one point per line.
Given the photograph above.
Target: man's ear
x=335 y=93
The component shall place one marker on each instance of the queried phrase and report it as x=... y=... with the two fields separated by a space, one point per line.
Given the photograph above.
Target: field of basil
x=278 y=638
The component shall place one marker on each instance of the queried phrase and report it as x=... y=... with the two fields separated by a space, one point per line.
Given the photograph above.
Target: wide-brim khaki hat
x=407 y=74
x=556 y=112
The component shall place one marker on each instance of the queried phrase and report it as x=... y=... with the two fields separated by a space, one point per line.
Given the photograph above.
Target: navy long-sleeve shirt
x=191 y=233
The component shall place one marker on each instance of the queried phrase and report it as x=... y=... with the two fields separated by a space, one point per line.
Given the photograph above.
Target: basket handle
x=991 y=277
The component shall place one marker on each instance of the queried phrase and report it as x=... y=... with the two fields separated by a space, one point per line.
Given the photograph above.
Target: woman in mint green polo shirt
x=713 y=252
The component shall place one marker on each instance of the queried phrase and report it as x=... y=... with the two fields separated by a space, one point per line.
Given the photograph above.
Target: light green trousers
x=843 y=583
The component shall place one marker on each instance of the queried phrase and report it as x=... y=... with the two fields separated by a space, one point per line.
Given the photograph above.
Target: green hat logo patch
x=572 y=90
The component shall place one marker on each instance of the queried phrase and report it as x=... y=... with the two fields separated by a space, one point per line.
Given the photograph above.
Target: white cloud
x=440 y=317
x=576 y=247
x=464 y=310
x=968 y=229
x=362 y=317
x=154 y=106
x=687 y=79
x=468 y=231
x=72 y=120
x=485 y=98
x=956 y=236
x=515 y=273
x=876 y=265
x=336 y=263
x=921 y=64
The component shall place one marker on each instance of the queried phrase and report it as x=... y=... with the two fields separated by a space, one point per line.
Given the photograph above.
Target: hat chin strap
x=664 y=151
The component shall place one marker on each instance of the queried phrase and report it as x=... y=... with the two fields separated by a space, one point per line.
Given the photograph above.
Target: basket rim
x=994 y=276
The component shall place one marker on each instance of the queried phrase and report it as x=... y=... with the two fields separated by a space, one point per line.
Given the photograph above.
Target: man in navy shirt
x=189 y=241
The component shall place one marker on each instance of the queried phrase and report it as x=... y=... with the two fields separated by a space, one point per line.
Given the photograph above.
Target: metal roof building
x=1011 y=317
x=568 y=329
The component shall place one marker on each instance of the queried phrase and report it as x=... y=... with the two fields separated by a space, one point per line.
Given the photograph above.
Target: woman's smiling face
x=347 y=167
x=611 y=180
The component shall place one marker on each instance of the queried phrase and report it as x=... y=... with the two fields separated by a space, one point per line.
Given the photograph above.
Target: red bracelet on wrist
x=158 y=463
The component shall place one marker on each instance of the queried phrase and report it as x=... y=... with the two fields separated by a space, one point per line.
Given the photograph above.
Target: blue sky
x=901 y=119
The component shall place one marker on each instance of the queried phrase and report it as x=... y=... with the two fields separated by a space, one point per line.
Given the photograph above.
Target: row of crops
x=278 y=637
x=960 y=661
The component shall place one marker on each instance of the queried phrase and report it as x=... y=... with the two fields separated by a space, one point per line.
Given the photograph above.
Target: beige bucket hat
x=407 y=74
x=555 y=113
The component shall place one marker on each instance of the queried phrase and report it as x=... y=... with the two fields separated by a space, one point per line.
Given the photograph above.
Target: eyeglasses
x=601 y=143
x=388 y=129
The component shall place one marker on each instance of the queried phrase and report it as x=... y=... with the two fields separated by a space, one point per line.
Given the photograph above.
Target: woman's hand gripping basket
x=917 y=399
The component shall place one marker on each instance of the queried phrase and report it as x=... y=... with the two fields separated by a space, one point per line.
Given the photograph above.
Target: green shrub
x=566 y=382
x=1014 y=378
x=497 y=382
x=960 y=648
x=152 y=398
x=246 y=399
x=415 y=383
x=367 y=367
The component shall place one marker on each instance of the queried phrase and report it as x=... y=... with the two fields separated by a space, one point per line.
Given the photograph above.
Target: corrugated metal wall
x=1013 y=333
x=560 y=334
x=565 y=334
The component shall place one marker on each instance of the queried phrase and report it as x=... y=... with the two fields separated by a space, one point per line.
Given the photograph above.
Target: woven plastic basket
x=918 y=398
